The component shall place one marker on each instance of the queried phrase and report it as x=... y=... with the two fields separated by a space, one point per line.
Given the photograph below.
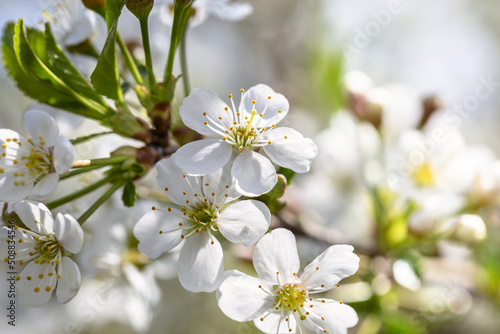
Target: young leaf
x=106 y=78
x=23 y=50
x=113 y=11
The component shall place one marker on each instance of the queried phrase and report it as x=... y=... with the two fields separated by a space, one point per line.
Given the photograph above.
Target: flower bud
x=98 y=6
x=465 y=228
x=470 y=229
x=140 y=8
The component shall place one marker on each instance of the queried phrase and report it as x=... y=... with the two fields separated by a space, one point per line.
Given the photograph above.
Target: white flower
x=280 y=300
x=31 y=167
x=222 y=9
x=199 y=207
x=45 y=247
x=72 y=23
x=239 y=132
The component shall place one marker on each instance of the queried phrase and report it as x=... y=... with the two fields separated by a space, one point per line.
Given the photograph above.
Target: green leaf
x=106 y=78
x=129 y=195
x=43 y=72
x=113 y=11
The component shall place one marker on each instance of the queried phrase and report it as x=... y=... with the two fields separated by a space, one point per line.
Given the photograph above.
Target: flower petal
x=45 y=186
x=221 y=183
x=337 y=317
x=275 y=323
x=290 y=149
x=10 y=192
x=227 y=11
x=274 y=109
x=334 y=264
x=202 y=156
x=240 y=297
x=244 y=222
x=13 y=147
x=276 y=253
x=35 y=216
x=63 y=156
x=171 y=179
x=200 y=265
x=147 y=231
x=204 y=101
x=254 y=174
x=69 y=283
x=69 y=233
x=42 y=127
x=36 y=284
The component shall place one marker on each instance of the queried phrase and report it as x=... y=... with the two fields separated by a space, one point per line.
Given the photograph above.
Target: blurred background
x=373 y=83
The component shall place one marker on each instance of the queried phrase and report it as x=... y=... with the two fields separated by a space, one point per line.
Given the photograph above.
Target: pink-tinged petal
x=244 y=222
x=171 y=179
x=36 y=284
x=275 y=108
x=200 y=265
x=203 y=156
x=290 y=149
x=63 y=156
x=69 y=283
x=69 y=233
x=227 y=11
x=275 y=323
x=331 y=266
x=254 y=174
x=46 y=186
x=13 y=192
x=42 y=127
x=151 y=241
x=337 y=317
x=203 y=105
x=35 y=216
x=240 y=297
x=275 y=257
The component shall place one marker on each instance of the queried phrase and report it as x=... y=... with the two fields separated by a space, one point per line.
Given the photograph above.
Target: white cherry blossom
x=237 y=133
x=44 y=246
x=199 y=208
x=280 y=302
x=32 y=167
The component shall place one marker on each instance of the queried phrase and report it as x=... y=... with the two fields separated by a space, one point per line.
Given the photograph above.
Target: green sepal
x=272 y=198
x=129 y=194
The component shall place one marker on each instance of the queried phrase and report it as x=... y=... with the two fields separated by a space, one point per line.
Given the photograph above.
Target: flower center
x=240 y=130
x=46 y=250
x=200 y=217
x=424 y=176
x=292 y=298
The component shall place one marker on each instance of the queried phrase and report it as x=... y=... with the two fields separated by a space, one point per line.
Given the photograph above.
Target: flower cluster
x=219 y=192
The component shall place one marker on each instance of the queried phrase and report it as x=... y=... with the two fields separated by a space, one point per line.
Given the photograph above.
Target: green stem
x=129 y=60
x=101 y=201
x=81 y=192
x=104 y=161
x=81 y=170
x=181 y=16
x=184 y=66
x=85 y=138
x=147 y=53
